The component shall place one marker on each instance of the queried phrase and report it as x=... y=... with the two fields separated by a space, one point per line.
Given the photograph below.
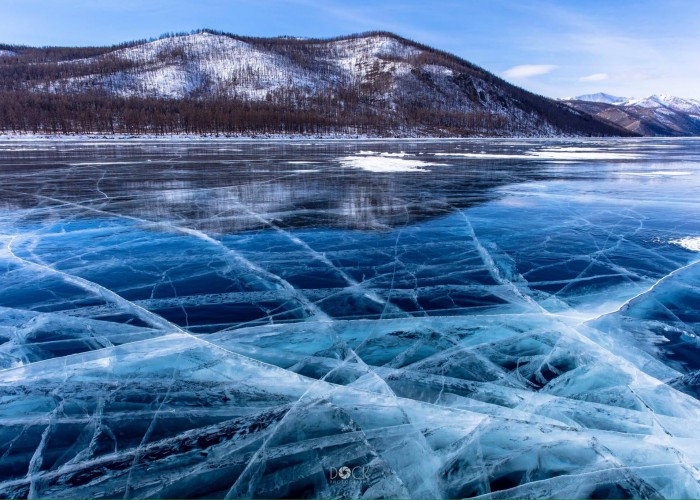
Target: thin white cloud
x=528 y=70
x=595 y=77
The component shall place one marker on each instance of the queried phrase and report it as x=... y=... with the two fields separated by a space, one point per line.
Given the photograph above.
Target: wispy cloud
x=528 y=70
x=595 y=77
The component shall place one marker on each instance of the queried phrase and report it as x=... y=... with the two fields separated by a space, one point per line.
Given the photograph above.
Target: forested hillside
x=211 y=82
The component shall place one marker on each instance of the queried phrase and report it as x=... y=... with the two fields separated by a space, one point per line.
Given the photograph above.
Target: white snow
x=549 y=154
x=659 y=173
x=383 y=163
x=232 y=66
x=361 y=55
x=680 y=104
x=486 y=156
x=438 y=70
x=374 y=153
x=691 y=243
x=584 y=155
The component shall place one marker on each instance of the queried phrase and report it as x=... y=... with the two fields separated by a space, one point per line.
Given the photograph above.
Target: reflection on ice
x=195 y=319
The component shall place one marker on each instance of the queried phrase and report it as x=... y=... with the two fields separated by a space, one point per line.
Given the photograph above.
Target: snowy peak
x=679 y=104
x=658 y=114
x=652 y=101
x=600 y=97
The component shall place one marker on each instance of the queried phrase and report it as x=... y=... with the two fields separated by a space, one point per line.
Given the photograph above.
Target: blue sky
x=556 y=48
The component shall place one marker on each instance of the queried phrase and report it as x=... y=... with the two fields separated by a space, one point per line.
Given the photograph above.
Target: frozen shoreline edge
x=299 y=137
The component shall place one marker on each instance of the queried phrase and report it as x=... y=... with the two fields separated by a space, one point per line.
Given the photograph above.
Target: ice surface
x=191 y=319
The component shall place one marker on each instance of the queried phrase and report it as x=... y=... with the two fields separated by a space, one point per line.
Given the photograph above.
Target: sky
x=555 y=48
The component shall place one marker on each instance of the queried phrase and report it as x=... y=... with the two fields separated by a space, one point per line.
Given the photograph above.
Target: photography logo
x=347 y=474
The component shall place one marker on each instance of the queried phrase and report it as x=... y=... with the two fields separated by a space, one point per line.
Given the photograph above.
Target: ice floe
x=386 y=163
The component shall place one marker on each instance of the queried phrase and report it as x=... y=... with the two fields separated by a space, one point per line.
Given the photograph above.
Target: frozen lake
x=502 y=318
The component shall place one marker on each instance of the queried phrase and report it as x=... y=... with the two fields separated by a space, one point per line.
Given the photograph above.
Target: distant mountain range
x=656 y=115
x=211 y=82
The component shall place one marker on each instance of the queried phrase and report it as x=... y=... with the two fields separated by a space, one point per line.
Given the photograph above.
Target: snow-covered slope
x=690 y=106
x=187 y=65
x=656 y=115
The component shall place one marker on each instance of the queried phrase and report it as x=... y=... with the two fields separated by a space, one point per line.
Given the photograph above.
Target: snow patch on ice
x=659 y=173
x=554 y=154
x=485 y=156
x=374 y=153
x=549 y=154
x=385 y=163
x=691 y=243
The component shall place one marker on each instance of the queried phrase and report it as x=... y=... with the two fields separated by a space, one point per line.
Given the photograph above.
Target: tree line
x=24 y=111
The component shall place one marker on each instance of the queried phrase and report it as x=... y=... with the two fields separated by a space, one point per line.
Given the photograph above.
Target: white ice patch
x=659 y=173
x=691 y=243
x=486 y=156
x=100 y=163
x=374 y=153
x=384 y=163
x=397 y=155
x=549 y=155
x=576 y=149
x=583 y=155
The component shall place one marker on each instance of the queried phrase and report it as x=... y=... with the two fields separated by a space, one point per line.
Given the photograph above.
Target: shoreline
x=118 y=137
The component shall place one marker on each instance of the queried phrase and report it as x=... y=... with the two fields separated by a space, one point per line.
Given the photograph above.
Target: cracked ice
x=206 y=319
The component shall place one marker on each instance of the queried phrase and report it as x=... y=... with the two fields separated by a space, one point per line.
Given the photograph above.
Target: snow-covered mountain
x=600 y=97
x=375 y=83
x=656 y=115
x=690 y=106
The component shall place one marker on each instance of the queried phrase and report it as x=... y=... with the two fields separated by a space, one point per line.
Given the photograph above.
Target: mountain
x=600 y=97
x=656 y=115
x=211 y=82
x=689 y=106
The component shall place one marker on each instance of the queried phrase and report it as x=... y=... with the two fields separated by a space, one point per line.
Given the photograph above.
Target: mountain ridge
x=374 y=83
x=655 y=115
x=598 y=97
